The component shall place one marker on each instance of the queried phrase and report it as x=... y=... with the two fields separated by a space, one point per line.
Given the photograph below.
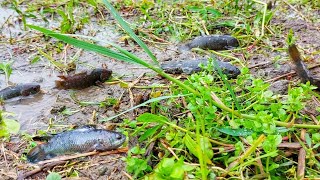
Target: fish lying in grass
x=84 y=139
x=19 y=90
x=212 y=42
x=84 y=79
x=300 y=68
x=192 y=66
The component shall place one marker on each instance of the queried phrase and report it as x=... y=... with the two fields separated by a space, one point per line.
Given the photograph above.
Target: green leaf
x=148 y=117
x=12 y=126
x=149 y=132
x=143 y=104
x=205 y=145
x=308 y=140
x=84 y=45
x=235 y=132
x=35 y=59
x=127 y=28
x=53 y=176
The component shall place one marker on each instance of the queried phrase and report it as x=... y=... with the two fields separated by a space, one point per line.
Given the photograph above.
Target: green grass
x=228 y=128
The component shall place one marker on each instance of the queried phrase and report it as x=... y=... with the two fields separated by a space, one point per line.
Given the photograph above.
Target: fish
x=84 y=79
x=301 y=68
x=19 y=90
x=192 y=66
x=212 y=42
x=80 y=140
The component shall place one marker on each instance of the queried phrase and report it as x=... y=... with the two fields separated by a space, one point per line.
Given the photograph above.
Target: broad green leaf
x=205 y=145
x=11 y=126
x=214 y=12
x=148 y=117
x=149 y=132
x=127 y=28
x=53 y=176
x=235 y=132
x=308 y=140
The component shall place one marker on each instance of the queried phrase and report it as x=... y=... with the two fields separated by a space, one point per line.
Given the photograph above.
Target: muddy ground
x=44 y=110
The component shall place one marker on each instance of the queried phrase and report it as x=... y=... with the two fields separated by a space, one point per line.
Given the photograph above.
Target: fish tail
x=36 y=154
x=301 y=68
x=60 y=84
x=294 y=53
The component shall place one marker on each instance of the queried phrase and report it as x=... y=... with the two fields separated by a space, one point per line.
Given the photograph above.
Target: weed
x=7 y=69
x=8 y=126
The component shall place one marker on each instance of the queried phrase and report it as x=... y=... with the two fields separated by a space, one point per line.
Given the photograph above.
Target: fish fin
x=99 y=147
x=43 y=138
x=36 y=154
x=63 y=77
x=86 y=127
x=60 y=84
x=99 y=84
x=185 y=47
x=300 y=68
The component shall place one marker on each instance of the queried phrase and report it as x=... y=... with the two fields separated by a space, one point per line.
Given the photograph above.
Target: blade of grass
x=83 y=44
x=127 y=28
x=143 y=104
x=226 y=82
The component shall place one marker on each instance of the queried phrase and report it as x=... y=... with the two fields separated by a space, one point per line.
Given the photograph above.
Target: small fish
x=301 y=68
x=84 y=139
x=84 y=79
x=192 y=66
x=19 y=90
x=212 y=42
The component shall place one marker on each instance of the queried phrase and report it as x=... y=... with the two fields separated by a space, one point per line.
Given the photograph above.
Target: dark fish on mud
x=300 y=68
x=84 y=79
x=84 y=139
x=19 y=90
x=212 y=42
x=192 y=66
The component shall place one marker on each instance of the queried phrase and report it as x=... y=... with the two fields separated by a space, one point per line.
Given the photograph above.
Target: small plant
x=7 y=69
x=8 y=126
x=53 y=176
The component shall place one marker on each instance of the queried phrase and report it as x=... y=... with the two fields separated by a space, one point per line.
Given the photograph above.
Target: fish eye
x=118 y=136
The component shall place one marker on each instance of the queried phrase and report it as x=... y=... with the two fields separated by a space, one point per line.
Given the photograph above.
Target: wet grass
x=225 y=128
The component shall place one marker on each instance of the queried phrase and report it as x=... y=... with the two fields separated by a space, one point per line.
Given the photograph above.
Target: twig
x=259 y=64
x=290 y=73
x=23 y=176
x=64 y=158
x=281 y=76
x=302 y=157
x=4 y=155
x=289 y=145
x=166 y=145
x=128 y=176
x=301 y=163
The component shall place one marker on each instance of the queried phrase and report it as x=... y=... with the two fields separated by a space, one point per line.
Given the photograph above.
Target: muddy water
x=35 y=112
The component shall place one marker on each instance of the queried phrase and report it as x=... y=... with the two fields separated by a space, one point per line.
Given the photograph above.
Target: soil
x=44 y=110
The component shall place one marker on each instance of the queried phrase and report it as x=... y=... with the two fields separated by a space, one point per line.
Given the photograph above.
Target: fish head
x=31 y=88
x=232 y=42
x=102 y=73
x=112 y=140
x=231 y=71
